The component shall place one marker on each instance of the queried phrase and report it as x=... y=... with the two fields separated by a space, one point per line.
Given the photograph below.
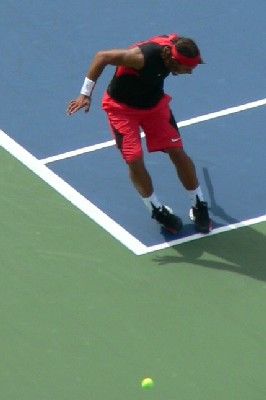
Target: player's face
x=173 y=65
x=176 y=68
x=179 y=69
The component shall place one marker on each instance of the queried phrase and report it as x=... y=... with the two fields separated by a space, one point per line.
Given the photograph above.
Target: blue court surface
x=46 y=50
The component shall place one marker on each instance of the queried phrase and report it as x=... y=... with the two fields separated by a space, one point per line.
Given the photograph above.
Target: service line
x=181 y=124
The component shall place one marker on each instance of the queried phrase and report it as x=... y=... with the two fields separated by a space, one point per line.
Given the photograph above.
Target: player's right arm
x=132 y=58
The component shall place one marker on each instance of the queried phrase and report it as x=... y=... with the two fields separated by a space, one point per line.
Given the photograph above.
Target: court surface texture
x=94 y=295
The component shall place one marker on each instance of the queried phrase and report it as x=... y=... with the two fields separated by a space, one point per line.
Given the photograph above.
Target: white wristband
x=87 y=87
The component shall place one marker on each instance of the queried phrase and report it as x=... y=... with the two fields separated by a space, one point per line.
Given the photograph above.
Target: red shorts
x=158 y=124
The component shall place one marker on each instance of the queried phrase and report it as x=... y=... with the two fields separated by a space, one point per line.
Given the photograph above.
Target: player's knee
x=177 y=152
x=137 y=165
x=179 y=156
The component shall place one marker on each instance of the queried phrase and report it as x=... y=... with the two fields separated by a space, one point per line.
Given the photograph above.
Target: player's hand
x=81 y=102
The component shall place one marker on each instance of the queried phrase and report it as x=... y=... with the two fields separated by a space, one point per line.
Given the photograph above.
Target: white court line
x=102 y=219
x=71 y=194
x=95 y=213
x=180 y=124
x=215 y=231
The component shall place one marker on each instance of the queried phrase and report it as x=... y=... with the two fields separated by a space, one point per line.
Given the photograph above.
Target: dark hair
x=187 y=47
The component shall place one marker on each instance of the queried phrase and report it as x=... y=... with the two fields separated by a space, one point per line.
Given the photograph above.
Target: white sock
x=193 y=195
x=152 y=199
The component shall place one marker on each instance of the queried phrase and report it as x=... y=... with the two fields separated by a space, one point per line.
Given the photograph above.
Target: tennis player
x=134 y=100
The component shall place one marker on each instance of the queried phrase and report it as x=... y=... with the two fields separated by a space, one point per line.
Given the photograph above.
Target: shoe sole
x=206 y=229
x=174 y=230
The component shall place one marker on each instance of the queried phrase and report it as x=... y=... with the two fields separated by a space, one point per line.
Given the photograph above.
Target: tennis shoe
x=200 y=215
x=165 y=216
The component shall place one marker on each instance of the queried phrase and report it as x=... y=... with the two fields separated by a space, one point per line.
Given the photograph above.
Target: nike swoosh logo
x=175 y=140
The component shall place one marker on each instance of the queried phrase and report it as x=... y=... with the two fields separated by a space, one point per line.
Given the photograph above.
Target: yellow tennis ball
x=147 y=383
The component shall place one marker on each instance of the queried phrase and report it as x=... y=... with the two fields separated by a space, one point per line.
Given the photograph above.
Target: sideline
x=88 y=208
x=71 y=194
x=97 y=215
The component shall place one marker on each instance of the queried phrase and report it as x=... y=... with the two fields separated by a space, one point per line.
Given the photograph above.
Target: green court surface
x=84 y=318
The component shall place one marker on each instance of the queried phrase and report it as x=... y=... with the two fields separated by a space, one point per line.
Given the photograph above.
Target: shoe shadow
x=241 y=251
x=216 y=210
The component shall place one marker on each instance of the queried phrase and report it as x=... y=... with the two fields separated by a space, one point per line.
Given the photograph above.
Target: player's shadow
x=242 y=251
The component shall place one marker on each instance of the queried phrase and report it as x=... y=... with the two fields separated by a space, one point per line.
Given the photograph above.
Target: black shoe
x=165 y=216
x=200 y=215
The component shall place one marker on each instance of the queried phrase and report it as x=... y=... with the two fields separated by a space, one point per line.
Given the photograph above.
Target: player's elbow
x=102 y=58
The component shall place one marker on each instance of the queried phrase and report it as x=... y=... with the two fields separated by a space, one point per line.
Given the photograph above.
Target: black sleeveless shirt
x=142 y=88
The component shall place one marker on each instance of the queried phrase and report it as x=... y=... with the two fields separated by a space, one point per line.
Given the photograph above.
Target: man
x=135 y=99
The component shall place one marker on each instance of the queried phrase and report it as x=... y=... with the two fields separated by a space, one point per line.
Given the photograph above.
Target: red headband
x=187 y=61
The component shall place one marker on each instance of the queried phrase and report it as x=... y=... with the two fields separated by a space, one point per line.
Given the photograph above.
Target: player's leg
x=125 y=129
x=186 y=172
x=131 y=149
x=185 y=168
x=161 y=121
x=142 y=181
x=140 y=177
